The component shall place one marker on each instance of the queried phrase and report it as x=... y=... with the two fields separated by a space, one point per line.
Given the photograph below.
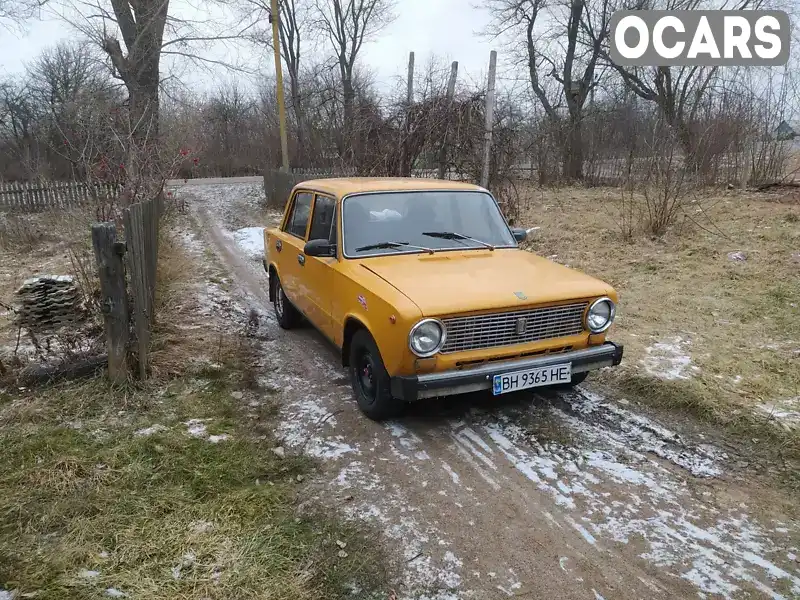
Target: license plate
x=522 y=380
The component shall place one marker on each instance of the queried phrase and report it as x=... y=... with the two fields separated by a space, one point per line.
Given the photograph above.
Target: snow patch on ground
x=613 y=490
x=408 y=533
x=251 y=241
x=669 y=359
x=86 y=574
x=153 y=429
x=197 y=429
x=308 y=427
x=784 y=412
x=624 y=428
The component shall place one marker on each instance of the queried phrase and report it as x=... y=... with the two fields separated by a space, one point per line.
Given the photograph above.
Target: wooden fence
x=48 y=195
x=140 y=252
x=141 y=234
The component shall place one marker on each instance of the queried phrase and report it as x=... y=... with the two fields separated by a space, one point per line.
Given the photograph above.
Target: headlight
x=426 y=337
x=600 y=315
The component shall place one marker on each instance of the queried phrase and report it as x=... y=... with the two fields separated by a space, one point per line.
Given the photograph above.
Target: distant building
x=788 y=130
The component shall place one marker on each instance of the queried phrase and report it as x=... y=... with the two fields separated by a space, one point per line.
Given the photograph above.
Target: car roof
x=343 y=186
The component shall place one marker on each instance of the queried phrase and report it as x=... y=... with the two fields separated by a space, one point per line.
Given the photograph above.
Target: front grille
x=510 y=328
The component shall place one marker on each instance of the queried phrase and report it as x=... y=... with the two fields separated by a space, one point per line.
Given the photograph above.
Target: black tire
x=577 y=379
x=287 y=315
x=370 y=380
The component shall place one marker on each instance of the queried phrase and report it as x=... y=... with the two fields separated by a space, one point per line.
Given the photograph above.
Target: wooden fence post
x=405 y=169
x=487 y=141
x=114 y=297
x=451 y=90
x=141 y=221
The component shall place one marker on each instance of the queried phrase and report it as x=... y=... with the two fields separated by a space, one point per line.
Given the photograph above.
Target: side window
x=322 y=222
x=298 y=219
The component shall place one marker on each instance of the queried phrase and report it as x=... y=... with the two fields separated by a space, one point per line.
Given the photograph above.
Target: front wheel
x=285 y=312
x=370 y=380
x=577 y=379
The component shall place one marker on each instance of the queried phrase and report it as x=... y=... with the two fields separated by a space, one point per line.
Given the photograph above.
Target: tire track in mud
x=550 y=495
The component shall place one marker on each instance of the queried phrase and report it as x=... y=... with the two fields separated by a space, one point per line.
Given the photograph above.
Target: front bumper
x=446 y=383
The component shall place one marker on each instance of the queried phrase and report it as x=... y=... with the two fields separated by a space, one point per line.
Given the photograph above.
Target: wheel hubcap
x=279 y=300
x=366 y=376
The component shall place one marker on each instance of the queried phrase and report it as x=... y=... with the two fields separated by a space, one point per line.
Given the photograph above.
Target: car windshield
x=398 y=222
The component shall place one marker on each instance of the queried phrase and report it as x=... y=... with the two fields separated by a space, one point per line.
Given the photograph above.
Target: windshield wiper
x=393 y=245
x=452 y=235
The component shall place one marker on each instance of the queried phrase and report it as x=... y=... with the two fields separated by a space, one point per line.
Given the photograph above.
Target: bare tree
x=141 y=25
x=59 y=74
x=568 y=56
x=18 y=130
x=293 y=22
x=678 y=92
x=347 y=24
x=16 y=12
x=136 y=35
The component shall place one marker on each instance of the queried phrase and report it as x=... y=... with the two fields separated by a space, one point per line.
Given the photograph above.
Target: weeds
x=167 y=488
x=20 y=233
x=111 y=481
x=742 y=318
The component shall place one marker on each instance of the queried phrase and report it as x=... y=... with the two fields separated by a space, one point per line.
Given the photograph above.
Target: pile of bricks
x=49 y=303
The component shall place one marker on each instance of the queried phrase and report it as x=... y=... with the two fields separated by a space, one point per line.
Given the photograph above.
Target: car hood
x=448 y=283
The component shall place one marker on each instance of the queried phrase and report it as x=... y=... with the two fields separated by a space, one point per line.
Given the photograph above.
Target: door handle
x=278 y=245
x=301 y=258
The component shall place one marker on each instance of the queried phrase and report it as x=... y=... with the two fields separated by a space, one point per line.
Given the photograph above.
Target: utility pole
x=487 y=150
x=405 y=169
x=274 y=18
x=451 y=90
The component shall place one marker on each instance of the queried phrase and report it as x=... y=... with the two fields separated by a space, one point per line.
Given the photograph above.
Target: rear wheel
x=370 y=380
x=288 y=316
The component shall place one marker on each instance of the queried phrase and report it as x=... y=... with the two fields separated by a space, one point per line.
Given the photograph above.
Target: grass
x=738 y=322
x=89 y=503
x=48 y=243
x=80 y=490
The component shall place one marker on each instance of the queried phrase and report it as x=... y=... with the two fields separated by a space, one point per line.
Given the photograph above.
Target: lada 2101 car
x=423 y=288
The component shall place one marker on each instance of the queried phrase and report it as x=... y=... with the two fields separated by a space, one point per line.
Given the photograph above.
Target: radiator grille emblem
x=522 y=325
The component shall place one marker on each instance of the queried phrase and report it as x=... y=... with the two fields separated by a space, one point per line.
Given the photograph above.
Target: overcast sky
x=446 y=28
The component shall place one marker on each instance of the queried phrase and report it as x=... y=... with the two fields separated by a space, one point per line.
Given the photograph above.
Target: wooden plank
x=487 y=140
x=114 y=298
x=451 y=90
x=152 y=255
x=133 y=219
x=59 y=192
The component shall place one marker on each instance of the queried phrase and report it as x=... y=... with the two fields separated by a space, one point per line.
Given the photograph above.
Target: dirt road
x=548 y=495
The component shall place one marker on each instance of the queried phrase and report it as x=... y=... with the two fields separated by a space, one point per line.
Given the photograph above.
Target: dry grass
x=89 y=503
x=51 y=243
x=737 y=323
x=184 y=335
x=165 y=515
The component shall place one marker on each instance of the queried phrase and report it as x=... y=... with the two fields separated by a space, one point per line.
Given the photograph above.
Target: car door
x=289 y=247
x=318 y=270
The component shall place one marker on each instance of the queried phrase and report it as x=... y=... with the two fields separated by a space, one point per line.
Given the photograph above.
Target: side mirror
x=319 y=248
x=519 y=234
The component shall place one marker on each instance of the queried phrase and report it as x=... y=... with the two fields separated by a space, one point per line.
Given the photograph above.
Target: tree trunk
x=142 y=30
x=143 y=157
x=573 y=150
x=299 y=115
x=348 y=133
